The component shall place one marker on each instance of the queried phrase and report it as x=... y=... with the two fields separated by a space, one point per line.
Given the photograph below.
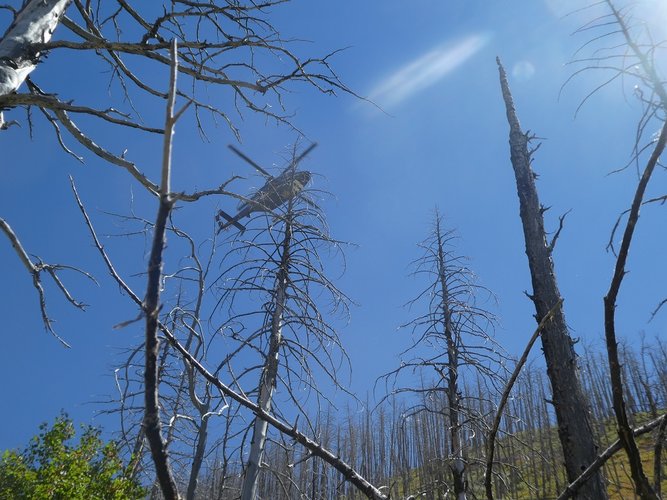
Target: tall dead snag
x=570 y=403
x=452 y=341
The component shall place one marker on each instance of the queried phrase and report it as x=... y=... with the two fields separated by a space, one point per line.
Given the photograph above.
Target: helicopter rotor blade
x=304 y=154
x=294 y=163
x=251 y=162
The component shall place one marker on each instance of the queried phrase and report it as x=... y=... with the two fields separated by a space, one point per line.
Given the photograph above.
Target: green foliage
x=55 y=468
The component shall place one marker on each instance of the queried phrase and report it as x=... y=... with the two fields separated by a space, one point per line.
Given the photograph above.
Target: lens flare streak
x=425 y=71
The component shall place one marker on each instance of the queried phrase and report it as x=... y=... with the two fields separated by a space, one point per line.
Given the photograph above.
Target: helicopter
x=274 y=193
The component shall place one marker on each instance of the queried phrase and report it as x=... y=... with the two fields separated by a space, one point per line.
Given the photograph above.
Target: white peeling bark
x=34 y=23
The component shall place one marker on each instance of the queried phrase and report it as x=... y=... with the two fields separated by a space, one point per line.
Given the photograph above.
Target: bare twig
x=561 y=223
x=35 y=269
x=100 y=248
x=88 y=143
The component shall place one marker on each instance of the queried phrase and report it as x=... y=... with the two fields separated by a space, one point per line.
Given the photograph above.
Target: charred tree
x=569 y=400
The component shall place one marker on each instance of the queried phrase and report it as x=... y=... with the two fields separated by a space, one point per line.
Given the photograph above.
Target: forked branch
x=36 y=269
x=626 y=437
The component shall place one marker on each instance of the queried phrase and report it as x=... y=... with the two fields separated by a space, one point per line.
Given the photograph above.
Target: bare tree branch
x=36 y=269
x=573 y=487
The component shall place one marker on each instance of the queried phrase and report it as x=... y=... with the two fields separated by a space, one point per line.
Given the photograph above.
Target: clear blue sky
x=441 y=139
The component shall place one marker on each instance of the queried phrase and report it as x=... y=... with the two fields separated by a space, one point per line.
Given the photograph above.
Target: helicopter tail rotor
x=231 y=221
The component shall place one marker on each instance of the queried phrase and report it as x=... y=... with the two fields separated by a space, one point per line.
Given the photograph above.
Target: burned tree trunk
x=270 y=371
x=457 y=461
x=570 y=403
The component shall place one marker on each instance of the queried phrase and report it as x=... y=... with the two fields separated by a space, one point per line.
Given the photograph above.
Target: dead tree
x=220 y=44
x=308 y=340
x=631 y=57
x=269 y=376
x=452 y=338
x=289 y=340
x=569 y=400
x=625 y=431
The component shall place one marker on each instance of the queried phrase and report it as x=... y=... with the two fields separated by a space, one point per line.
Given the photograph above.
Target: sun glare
x=654 y=13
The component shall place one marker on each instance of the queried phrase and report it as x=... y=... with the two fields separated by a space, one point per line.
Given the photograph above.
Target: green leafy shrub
x=53 y=467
